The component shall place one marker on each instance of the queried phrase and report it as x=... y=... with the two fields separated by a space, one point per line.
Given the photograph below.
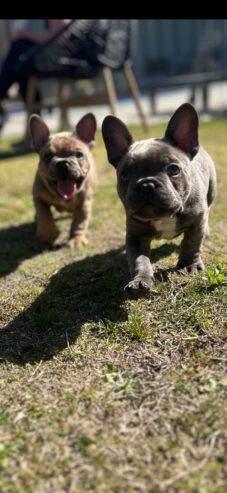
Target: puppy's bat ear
x=86 y=128
x=39 y=132
x=117 y=139
x=182 y=129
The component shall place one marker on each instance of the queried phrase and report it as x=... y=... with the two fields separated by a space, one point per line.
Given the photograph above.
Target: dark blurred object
x=3 y=117
x=4 y=39
x=84 y=49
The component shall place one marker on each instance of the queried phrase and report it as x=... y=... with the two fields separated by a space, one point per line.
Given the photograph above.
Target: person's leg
x=8 y=74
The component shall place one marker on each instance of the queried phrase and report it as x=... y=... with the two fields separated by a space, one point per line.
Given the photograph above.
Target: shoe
x=3 y=118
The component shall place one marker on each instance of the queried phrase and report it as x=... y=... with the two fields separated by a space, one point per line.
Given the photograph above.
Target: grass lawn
x=100 y=393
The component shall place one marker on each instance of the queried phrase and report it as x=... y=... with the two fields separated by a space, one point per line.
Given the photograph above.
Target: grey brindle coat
x=167 y=186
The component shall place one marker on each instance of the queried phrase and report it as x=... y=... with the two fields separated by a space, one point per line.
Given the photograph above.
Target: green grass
x=100 y=393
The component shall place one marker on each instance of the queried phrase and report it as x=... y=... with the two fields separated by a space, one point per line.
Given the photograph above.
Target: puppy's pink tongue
x=67 y=187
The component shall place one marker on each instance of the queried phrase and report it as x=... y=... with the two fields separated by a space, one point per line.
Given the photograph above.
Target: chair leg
x=205 y=96
x=133 y=87
x=192 y=97
x=64 y=123
x=153 y=101
x=110 y=89
x=30 y=99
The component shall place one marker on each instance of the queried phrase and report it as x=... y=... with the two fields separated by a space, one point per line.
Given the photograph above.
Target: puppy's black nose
x=147 y=184
x=63 y=168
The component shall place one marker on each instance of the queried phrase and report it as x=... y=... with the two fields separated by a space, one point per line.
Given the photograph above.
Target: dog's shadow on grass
x=87 y=290
x=12 y=153
x=19 y=243
x=164 y=250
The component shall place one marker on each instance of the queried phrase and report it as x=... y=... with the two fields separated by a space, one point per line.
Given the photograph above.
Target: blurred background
x=173 y=60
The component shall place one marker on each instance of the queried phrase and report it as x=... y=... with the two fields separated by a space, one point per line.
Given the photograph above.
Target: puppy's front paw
x=139 y=287
x=79 y=240
x=190 y=268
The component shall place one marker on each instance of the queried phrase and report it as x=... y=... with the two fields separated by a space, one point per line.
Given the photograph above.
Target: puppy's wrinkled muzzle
x=63 y=169
x=65 y=178
x=149 y=198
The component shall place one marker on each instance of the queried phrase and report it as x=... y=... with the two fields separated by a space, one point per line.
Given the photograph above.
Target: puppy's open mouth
x=67 y=187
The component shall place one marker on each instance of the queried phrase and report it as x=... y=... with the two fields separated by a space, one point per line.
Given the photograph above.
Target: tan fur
x=46 y=195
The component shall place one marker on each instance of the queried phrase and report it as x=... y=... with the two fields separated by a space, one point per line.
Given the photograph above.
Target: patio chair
x=84 y=49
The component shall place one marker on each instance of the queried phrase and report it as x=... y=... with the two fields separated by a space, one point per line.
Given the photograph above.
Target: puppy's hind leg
x=191 y=247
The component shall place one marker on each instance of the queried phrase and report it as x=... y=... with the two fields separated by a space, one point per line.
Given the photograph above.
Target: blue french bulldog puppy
x=167 y=186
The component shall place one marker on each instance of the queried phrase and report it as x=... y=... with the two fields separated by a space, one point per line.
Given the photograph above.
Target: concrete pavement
x=167 y=103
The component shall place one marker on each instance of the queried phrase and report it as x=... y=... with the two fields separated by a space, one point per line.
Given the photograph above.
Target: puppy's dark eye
x=47 y=157
x=79 y=155
x=173 y=170
x=124 y=176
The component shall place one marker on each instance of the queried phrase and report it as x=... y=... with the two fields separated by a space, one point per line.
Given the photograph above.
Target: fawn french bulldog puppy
x=65 y=178
x=167 y=186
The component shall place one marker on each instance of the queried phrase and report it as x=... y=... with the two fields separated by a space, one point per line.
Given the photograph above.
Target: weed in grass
x=217 y=276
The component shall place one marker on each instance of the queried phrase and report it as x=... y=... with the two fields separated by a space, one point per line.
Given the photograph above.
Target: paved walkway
x=167 y=103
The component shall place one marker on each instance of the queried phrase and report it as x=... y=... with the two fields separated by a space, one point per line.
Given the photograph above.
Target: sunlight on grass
x=99 y=392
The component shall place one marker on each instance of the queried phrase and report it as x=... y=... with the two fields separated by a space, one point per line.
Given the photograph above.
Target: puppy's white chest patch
x=166 y=226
